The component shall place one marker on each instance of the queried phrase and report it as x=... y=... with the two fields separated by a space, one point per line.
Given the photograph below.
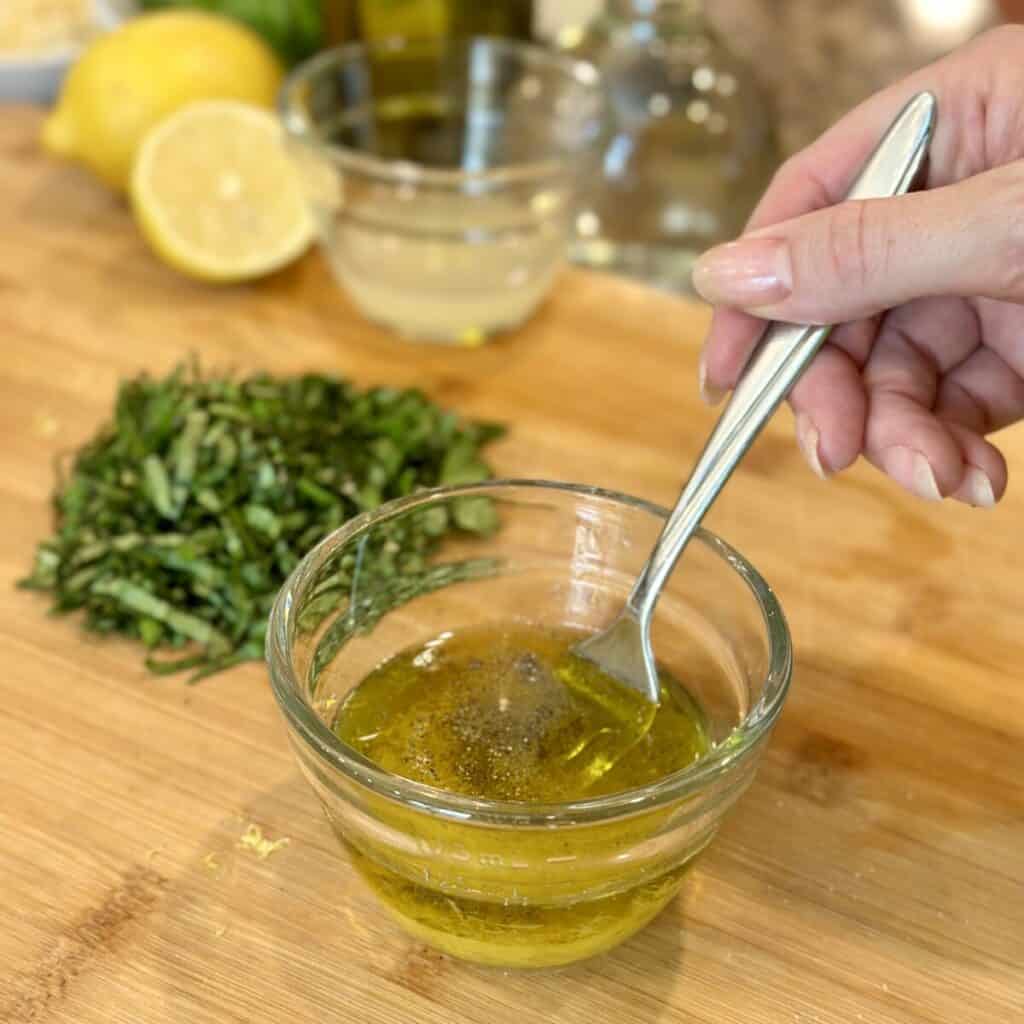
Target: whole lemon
x=131 y=78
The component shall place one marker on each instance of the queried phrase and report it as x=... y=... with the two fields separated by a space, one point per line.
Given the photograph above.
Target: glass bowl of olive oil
x=443 y=175
x=507 y=802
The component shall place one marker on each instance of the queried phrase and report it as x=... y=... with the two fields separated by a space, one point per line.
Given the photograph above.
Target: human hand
x=928 y=288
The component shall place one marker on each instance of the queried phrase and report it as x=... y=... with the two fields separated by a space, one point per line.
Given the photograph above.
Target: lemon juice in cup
x=442 y=175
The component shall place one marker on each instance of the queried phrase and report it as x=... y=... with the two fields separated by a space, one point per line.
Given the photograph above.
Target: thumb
x=860 y=258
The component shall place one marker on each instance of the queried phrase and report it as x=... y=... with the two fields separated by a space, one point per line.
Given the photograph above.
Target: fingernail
x=748 y=273
x=808 y=439
x=913 y=471
x=708 y=392
x=978 y=488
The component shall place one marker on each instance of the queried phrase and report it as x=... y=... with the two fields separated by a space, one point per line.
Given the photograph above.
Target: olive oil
x=437 y=21
x=449 y=19
x=510 y=713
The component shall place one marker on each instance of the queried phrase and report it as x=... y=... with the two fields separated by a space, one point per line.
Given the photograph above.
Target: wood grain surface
x=874 y=872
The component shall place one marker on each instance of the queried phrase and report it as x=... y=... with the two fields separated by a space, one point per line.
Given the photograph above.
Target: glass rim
x=301 y=717
x=410 y=172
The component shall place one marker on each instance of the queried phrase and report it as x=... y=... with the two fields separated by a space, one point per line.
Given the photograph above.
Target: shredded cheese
x=33 y=26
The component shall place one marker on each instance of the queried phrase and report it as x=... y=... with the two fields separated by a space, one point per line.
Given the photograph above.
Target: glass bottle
x=440 y=19
x=340 y=21
x=692 y=147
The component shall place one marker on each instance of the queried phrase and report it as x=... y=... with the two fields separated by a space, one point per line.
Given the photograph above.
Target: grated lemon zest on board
x=253 y=839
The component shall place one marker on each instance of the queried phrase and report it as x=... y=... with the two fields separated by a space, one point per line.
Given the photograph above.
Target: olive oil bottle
x=348 y=20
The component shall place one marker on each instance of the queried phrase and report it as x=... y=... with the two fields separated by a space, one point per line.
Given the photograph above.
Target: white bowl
x=36 y=77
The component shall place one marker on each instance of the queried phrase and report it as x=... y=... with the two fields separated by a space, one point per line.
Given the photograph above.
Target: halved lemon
x=216 y=194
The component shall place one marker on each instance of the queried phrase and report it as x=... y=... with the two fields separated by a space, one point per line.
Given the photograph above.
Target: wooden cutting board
x=874 y=872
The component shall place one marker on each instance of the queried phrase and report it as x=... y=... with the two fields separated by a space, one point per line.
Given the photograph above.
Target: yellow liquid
x=447 y=265
x=509 y=713
x=484 y=271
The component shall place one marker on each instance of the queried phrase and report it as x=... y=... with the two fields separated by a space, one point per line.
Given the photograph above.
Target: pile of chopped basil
x=177 y=524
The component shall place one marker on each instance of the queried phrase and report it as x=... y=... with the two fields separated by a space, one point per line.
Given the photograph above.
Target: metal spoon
x=784 y=351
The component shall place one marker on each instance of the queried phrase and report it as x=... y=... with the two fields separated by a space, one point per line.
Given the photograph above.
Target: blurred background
x=704 y=100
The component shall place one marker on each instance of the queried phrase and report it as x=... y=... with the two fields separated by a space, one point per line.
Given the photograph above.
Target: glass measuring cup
x=443 y=175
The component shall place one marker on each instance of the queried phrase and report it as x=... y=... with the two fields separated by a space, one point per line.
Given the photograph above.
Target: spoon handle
x=780 y=357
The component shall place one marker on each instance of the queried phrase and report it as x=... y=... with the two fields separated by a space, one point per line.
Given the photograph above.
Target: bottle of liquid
x=692 y=147
x=426 y=19
x=340 y=21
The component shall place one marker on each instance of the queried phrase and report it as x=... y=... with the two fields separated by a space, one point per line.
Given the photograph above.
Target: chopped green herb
x=179 y=521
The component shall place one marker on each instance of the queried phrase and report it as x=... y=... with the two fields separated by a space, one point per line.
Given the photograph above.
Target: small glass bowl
x=443 y=175
x=522 y=884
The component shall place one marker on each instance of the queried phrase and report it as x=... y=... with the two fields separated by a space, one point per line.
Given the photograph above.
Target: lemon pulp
x=217 y=196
